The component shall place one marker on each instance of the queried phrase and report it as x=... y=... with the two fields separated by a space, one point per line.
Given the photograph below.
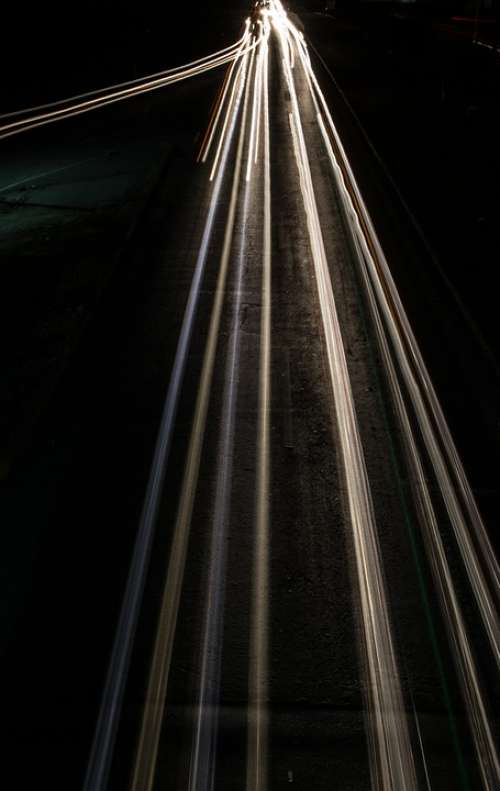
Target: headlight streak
x=205 y=149
x=257 y=733
x=112 y=698
x=291 y=55
x=245 y=94
x=443 y=580
x=455 y=624
x=422 y=750
x=216 y=114
x=443 y=454
x=202 y=761
x=392 y=760
x=232 y=99
x=25 y=124
x=265 y=29
x=229 y=50
x=381 y=291
x=253 y=121
x=154 y=710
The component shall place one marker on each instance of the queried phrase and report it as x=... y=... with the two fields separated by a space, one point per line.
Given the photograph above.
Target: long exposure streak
x=239 y=143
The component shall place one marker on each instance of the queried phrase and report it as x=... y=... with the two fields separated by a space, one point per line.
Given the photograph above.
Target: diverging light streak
x=232 y=98
x=396 y=338
x=145 y=762
x=257 y=744
x=219 y=106
x=454 y=621
x=244 y=99
x=76 y=105
x=110 y=711
x=202 y=763
x=71 y=99
x=457 y=494
x=392 y=760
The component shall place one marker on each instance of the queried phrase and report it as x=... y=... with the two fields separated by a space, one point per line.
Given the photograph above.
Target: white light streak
x=384 y=300
x=147 y=85
x=257 y=744
x=413 y=397
x=154 y=710
x=202 y=762
x=392 y=765
x=110 y=710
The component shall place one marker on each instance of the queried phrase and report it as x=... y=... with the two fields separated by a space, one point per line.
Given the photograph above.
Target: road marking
x=38 y=176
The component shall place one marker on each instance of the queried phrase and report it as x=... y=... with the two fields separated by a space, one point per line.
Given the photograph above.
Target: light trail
x=202 y=762
x=242 y=110
x=422 y=751
x=454 y=621
x=254 y=116
x=232 y=76
x=216 y=110
x=139 y=80
x=257 y=738
x=110 y=711
x=392 y=760
x=436 y=434
x=78 y=108
x=259 y=95
x=212 y=127
x=146 y=756
x=16 y=127
x=382 y=294
x=232 y=99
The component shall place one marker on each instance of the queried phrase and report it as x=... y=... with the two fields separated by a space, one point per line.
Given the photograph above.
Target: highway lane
x=298 y=604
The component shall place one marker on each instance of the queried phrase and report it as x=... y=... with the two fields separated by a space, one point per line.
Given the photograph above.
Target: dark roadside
x=426 y=99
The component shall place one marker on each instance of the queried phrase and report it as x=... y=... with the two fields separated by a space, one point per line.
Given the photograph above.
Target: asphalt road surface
x=309 y=594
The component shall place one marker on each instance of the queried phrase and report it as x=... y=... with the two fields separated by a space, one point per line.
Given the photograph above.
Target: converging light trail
x=257 y=747
x=203 y=751
x=239 y=144
x=145 y=762
x=34 y=117
x=103 y=745
x=392 y=760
